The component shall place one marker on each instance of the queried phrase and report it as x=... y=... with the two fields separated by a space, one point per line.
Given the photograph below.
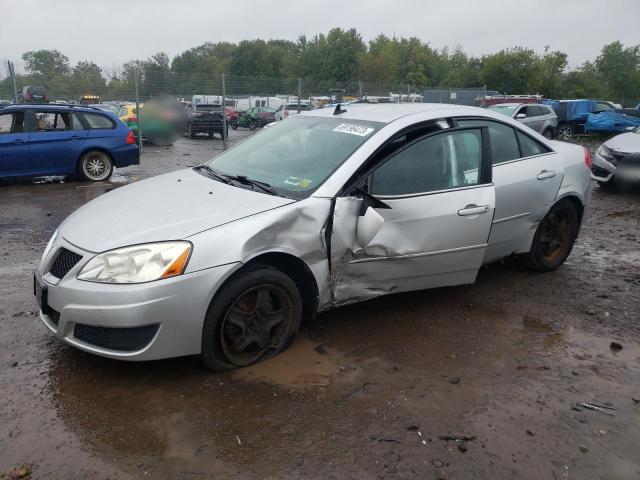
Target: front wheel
x=548 y=134
x=554 y=237
x=252 y=125
x=96 y=166
x=254 y=317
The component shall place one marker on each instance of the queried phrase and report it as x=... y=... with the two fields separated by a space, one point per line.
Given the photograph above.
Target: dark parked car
x=38 y=140
x=572 y=114
x=33 y=94
x=205 y=118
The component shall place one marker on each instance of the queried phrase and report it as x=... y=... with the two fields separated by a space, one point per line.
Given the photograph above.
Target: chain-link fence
x=143 y=83
x=136 y=84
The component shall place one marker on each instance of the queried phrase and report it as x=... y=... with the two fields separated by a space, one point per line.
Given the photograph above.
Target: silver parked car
x=617 y=161
x=332 y=207
x=540 y=118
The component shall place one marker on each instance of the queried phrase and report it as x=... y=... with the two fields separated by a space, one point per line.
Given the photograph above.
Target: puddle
x=301 y=366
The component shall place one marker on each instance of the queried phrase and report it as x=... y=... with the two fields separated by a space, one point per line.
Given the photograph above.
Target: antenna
x=339 y=110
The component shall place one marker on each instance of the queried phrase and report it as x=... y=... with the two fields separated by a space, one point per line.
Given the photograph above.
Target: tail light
x=131 y=139
x=286 y=113
x=131 y=119
x=587 y=158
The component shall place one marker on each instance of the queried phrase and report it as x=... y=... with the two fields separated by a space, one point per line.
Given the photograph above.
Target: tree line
x=340 y=57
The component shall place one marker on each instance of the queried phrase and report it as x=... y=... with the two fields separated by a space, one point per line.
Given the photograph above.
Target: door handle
x=18 y=140
x=544 y=174
x=473 y=209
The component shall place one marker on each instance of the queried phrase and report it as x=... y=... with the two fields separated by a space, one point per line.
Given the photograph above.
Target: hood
x=168 y=207
x=626 y=143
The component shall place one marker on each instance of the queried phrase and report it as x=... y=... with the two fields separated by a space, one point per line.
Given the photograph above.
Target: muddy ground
x=366 y=391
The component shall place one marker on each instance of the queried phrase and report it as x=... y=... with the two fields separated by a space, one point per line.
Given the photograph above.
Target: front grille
x=64 y=262
x=122 y=339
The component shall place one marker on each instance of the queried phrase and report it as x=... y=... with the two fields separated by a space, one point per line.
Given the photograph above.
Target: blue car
x=37 y=140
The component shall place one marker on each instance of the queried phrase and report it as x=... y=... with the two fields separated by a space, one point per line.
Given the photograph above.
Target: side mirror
x=629 y=129
x=521 y=115
x=368 y=226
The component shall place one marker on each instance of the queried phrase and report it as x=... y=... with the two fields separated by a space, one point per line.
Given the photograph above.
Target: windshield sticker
x=353 y=129
x=298 y=182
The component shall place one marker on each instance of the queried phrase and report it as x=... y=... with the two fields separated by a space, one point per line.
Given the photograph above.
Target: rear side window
x=97 y=121
x=57 y=121
x=12 y=122
x=529 y=146
x=504 y=144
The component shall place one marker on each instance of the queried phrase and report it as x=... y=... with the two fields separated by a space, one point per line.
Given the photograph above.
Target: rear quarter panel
x=576 y=181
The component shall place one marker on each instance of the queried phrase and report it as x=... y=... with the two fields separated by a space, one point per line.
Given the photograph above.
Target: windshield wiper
x=265 y=187
x=243 y=179
x=212 y=173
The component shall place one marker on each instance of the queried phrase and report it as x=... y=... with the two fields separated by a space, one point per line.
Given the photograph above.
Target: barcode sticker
x=359 y=130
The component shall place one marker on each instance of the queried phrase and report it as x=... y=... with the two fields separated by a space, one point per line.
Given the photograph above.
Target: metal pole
x=359 y=88
x=138 y=112
x=299 y=93
x=12 y=73
x=224 y=113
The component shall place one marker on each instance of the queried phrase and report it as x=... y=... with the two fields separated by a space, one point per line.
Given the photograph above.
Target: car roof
x=50 y=106
x=389 y=112
x=507 y=104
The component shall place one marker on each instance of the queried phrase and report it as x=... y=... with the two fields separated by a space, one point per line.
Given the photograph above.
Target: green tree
x=618 y=68
x=515 y=71
x=46 y=62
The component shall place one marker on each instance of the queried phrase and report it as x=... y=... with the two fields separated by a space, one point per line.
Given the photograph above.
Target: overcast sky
x=113 y=31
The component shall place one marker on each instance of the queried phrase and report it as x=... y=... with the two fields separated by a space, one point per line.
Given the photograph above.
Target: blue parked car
x=38 y=140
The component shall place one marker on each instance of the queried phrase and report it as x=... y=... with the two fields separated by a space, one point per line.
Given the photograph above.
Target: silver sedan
x=332 y=207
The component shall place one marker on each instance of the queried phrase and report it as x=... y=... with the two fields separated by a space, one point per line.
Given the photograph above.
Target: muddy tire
x=554 y=238
x=95 y=166
x=253 y=317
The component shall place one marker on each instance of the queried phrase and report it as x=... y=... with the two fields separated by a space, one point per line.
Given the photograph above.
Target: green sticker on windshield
x=298 y=182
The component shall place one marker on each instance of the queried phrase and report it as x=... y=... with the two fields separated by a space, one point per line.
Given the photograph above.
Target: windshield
x=296 y=156
x=508 y=111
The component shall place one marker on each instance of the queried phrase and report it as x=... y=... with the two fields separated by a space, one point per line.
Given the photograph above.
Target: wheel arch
x=85 y=150
x=290 y=265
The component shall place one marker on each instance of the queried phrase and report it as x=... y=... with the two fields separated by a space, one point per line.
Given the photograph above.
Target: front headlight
x=138 y=263
x=604 y=151
x=47 y=249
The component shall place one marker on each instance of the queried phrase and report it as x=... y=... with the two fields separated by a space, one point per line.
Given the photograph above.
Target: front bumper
x=601 y=169
x=167 y=316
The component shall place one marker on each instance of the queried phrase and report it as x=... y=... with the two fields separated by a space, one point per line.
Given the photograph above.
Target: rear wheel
x=254 y=317
x=554 y=237
x=565 y=131
x=252 y=125
x=96 y=166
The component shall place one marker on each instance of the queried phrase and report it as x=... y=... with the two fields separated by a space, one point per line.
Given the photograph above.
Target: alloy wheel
x=256 y=322
x=96 y=166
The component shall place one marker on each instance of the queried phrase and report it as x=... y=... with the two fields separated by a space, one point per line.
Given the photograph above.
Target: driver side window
x=439 y=162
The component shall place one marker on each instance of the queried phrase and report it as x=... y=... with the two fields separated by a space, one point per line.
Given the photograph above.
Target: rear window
x=530 y=147
x=97 y=121
x=208 y=108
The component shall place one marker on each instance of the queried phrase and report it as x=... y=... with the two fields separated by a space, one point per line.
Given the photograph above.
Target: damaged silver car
x=335 y=206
